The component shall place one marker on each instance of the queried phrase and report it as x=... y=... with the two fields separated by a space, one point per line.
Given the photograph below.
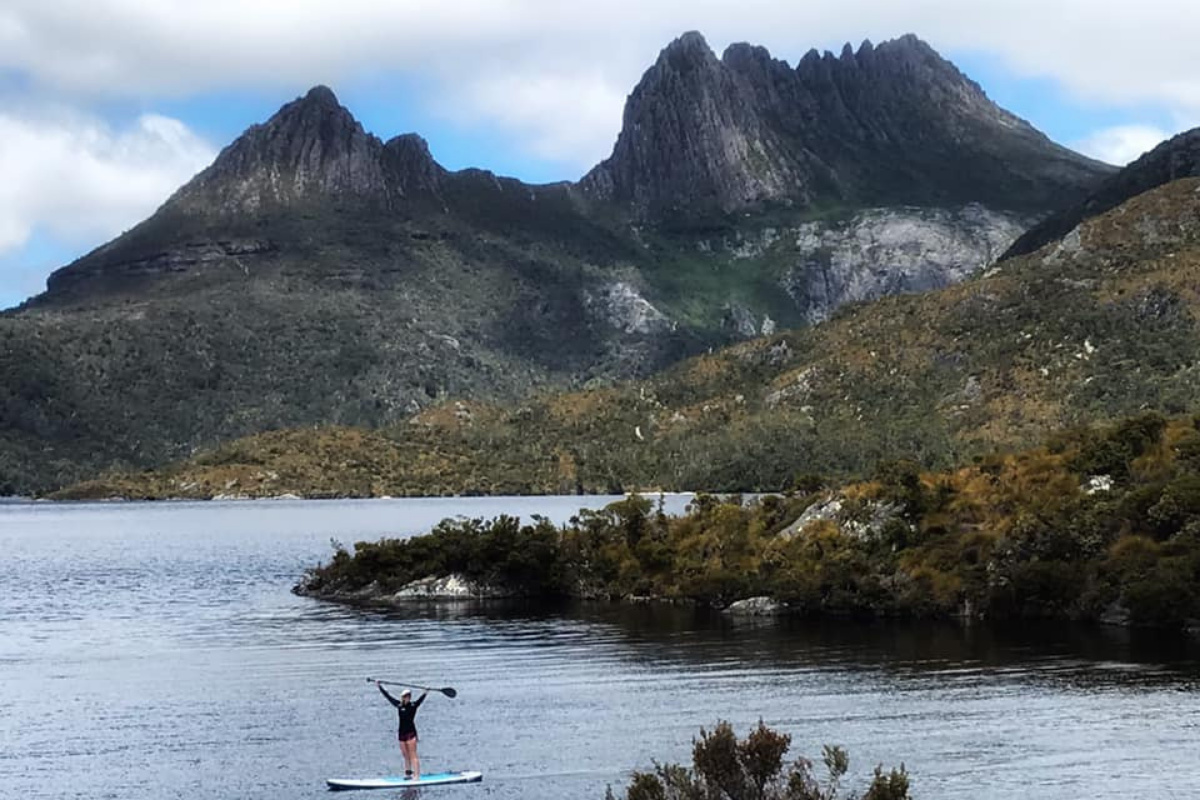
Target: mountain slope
x=314 y=274
x=1094 y=327
x=1175 y=158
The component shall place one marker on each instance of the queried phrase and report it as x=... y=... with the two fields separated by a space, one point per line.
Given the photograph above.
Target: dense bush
x=754 y=768
x=501 y=551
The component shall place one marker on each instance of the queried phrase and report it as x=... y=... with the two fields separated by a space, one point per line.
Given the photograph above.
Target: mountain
x=1175 y=158
x=1096 y=326
x=315 y=274
x=887 y=125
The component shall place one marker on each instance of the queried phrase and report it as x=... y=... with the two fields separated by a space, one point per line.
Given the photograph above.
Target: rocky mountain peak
x=312 y=146
x=893 y=123
x=320 y=96
x=410 y=166
x=691 y=141
x=689 y=51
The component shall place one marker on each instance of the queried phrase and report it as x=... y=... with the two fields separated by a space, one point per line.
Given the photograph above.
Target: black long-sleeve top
x=406 y=711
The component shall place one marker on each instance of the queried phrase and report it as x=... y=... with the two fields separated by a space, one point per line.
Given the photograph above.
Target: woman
x=407 y=709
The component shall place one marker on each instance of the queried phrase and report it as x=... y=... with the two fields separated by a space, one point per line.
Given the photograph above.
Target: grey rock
x=756 y=607
x=796 y=390
x=449 y=587
x=1116 y=614
x=740 y=320
x=823 y=510
x=621 y=306
x=882 y=252
x=866 y=522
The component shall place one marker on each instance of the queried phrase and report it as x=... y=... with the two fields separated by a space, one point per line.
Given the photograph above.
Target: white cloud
x=478 y=56
x=81 y=181
x=531 y=107
x=1121 y=144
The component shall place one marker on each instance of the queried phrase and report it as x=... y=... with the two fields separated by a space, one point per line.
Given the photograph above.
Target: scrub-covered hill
x=1097 y=326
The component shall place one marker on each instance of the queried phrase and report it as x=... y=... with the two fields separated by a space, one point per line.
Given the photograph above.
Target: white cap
x=406 y=691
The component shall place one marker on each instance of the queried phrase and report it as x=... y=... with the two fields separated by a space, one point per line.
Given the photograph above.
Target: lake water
x=155 y=651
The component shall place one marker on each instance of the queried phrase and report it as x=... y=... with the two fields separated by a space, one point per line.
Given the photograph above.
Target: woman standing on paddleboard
x=407 y=709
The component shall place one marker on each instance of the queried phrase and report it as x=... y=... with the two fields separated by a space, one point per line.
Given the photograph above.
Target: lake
x=155 y=651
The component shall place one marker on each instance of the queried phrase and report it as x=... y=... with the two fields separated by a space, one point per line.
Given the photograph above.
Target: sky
x=107 y=106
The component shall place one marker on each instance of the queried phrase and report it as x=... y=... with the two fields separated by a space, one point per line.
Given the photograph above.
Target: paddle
x=446 y=690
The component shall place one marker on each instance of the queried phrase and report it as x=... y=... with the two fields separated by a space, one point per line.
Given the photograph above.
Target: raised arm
x=419 y=700
x=390 y=699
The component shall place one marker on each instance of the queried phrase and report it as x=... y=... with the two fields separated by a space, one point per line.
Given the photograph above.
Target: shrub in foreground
x=755 y=768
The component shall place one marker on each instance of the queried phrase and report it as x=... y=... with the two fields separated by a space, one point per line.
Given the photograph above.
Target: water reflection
x=157 y=652
x=661 y=635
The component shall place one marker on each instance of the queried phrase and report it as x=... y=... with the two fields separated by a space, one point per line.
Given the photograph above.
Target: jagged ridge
x=889 y=124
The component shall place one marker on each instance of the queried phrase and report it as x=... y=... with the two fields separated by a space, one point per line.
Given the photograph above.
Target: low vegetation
x=1099 y=328
x=1097 y=524
x=754 y=768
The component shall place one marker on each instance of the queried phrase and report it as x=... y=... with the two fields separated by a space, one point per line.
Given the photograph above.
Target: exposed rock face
x=1174 y=159
x=190 y=256
x=860 y=520
x=692 y=139
x=888 y=124
x=312 y=146
x=891 y=251
x=621 y=306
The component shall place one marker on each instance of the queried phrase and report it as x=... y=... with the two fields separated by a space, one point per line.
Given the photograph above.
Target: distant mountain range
x=314 y=274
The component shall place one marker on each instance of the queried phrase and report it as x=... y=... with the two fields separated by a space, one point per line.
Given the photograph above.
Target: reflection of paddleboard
x=397 y=782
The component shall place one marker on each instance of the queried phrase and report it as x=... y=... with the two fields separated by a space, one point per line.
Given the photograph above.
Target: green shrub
x=754 y=768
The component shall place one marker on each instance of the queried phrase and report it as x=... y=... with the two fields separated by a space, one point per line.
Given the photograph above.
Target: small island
x=1097 y=525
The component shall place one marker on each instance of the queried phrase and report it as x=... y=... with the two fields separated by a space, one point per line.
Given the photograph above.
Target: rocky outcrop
x=883 y=252
x=881 y=125
x=859 y=519
x=435 y=588
x=241 y=255
x=619 y=305
x=448 y=587
x=756 y=607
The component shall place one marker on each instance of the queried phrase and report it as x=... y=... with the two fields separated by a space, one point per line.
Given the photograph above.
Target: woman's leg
x=413 y=758
x=407 y=759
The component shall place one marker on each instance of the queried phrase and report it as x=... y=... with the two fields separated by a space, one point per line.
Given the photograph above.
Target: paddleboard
x=398 y=782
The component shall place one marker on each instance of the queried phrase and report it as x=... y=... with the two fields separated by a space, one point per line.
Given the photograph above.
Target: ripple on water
x=153 y=652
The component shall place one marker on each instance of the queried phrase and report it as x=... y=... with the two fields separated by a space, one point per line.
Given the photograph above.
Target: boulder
x=757 y=607
x=448 y=587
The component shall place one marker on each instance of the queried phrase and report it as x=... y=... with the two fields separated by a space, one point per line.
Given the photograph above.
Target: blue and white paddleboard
x=397 y=782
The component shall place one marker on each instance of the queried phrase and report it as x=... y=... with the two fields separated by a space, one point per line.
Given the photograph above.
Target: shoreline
x=367 y=599
x=290 y=497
